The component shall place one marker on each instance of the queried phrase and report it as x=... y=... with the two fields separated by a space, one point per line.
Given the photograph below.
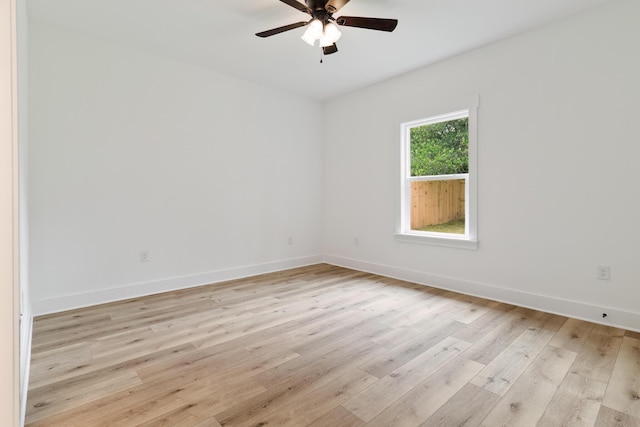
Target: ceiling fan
x=322 y=25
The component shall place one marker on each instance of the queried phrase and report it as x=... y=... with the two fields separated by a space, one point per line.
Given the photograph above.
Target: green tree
x=440 y=148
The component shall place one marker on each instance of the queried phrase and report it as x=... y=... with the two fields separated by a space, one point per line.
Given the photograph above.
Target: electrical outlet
x=604 y=272
x=144 y=256
x=290 y=241
x=356 y=241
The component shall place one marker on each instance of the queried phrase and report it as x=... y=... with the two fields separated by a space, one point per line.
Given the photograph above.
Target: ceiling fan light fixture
x=324 y=41
x=308 y=39
x=331 y=33
x=314 y=32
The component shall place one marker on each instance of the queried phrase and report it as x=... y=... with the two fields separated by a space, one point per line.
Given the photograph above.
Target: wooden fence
x=436 y=202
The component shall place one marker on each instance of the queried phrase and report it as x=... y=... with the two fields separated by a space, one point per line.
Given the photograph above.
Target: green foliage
x=440 y=148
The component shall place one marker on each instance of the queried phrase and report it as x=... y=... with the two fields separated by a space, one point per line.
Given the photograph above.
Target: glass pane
x=440 y=148
x=438 y=206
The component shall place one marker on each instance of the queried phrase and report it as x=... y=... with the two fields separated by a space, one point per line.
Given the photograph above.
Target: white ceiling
x=219 y=35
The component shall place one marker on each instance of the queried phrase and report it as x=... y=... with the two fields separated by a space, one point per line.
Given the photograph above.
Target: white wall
x=558 y=155
x=130 y=151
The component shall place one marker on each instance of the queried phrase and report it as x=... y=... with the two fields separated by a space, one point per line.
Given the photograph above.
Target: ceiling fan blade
x=300 y=6
x=369 y=23
x=279 y=30
x=328 y=50
x=333 y=6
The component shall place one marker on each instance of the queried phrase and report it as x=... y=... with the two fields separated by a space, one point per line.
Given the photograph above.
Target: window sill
x=436 y=240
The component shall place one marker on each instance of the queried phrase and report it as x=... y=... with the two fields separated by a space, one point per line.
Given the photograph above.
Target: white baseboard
x=570 y=308
x=134 y=290
x=575 y=309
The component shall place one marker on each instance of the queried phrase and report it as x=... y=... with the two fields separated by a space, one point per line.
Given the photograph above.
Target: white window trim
x=403 y=231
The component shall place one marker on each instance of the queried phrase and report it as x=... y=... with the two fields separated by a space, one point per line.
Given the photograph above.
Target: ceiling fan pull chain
x=321 y=56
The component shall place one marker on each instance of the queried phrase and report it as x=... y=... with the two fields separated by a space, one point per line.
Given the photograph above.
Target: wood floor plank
x=326 y=346
x=204 y=363
x=576 y=403
x=75 y=317
x=487 y=346
x=156 y=398
x=572 y=335
x=318 y=402
x=632 y=334
x=372 y=401
x=413 y=314
x=294 y=380
x=468 y=407
x=335 y=358
x=425 y=318
x=49 y=400
x=504 y=370
x=396 y=336
x=43 y=328
x=608 y=417
x=608 y=330
x=204 y=329
x=338 y=416
x=525 y=402
x=395 y=358
x=280 y=331
x=199 y=402
x=302 y=335
x=598 y=356
x=223 y=386
x=476 y=310
x=181 y=417
x=46 y=370
x=90 y=333
x=486 y=323
x=623 y=393
x=550 y=322
x=100 y=367
x=426 y=398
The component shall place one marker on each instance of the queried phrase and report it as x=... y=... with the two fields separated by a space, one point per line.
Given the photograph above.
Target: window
x=438 y=186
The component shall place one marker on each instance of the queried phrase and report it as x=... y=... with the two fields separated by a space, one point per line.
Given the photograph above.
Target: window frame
x=403 y=227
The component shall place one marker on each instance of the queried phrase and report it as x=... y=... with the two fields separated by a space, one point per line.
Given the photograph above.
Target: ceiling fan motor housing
x=320 y=6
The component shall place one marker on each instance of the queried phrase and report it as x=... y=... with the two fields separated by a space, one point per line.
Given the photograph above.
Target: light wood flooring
x=327 y=346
